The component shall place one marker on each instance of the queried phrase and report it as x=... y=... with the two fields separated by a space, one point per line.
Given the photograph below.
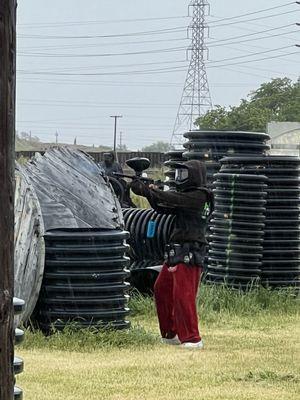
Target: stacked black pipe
x=212 y=145
x=85 y=279
x=174 y=156
x=19 y=336
x=143 y=248
x=281 y=246
x=146 y=252
x=237 y=230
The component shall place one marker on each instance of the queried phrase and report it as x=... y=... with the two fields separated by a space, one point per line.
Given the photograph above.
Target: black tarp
x=73 y=191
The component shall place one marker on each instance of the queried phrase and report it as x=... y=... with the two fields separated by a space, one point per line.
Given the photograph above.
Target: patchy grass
x=251 y=352
x=88 y=340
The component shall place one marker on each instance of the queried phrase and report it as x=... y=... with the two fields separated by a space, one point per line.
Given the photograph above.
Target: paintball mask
x=181 y=175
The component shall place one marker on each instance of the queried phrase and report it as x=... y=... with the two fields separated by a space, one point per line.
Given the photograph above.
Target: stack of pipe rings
x=144 y=248
x=237 y=230
x=85 y=279
x=212 y=145
x=19 y=337
x=174 y=156
x=281 y=250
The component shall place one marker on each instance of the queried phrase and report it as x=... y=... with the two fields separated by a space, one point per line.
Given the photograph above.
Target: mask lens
x=181 y=174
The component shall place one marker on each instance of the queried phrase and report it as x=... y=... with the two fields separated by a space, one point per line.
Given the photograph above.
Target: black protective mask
x=181 y=177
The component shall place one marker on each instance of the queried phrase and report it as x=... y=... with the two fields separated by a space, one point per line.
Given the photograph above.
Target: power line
x=253 y=19
x=45 y=104
x=158 y=70
x=127 y=84
x=217 y=41
x=72 y=23
x=140 y=72
x=252 y=54
x=105 y=129
x=259 y=59
x=114 y=66
x=260 y=25
x=211 y=43
x=142 y=33
x=52 y=55
x=93 y=117
x=83 y=46
x=92 y=127
x=166 y=50
x=152 y=41
x=253 y=39
x=85 y=103
x=256 y=12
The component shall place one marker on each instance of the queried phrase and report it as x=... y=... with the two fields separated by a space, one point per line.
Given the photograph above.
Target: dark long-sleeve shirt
x=187 y=206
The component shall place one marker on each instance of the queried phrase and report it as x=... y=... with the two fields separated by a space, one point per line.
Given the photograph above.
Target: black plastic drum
x=237 y=230
x=85 y=279
x=281 y=261
x=19 y=337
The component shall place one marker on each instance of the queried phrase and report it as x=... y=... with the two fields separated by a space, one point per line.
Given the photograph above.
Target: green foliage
x=215 y=305
x=221 y=299
x=159 y=146
x=73 y=338
x=141 y=305
x=214 y=300
x=277 y=100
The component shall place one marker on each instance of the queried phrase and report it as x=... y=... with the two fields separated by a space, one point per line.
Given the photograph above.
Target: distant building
x=284 y=132
x=285 y=137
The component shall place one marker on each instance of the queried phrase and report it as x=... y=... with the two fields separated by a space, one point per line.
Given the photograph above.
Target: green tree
x=159 y=146
x=277 y=100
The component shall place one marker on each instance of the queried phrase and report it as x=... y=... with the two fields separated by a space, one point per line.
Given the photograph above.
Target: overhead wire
x=83 y=46
x=158 y=70
x=250 y=34
x=213 y=43
x=165 y=30
x=251 y=54
x=259 y=59
x=96 y=67
x=253 y=19
x=175 y=69
x=254 y=39
x=170 y=69
x=72 y=23
x=166 y=50
x=141 y=33
x=256 y=12
x=125 y=84
x=46 y=55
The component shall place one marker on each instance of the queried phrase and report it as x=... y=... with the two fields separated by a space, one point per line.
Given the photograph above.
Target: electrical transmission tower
x=195 y=100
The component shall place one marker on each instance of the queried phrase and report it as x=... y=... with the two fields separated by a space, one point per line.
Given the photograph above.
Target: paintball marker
x=139 y=165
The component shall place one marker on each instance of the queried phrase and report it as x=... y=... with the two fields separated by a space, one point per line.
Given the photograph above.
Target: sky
x=80 y=62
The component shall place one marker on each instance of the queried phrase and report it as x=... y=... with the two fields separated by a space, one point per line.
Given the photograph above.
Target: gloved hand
x=138 y=187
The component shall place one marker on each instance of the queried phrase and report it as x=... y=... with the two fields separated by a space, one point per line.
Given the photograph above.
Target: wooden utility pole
x=115 y=134
x=7 y=146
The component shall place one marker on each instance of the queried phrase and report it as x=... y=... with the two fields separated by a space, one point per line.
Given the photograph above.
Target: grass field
x=251 y=352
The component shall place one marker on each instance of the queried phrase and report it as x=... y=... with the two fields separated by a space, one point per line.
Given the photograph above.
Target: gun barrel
x=123 y=175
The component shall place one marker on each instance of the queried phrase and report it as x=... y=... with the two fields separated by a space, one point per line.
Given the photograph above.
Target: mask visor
x=181 y=174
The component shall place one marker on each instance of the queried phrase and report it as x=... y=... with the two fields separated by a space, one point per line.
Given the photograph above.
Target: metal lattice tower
x=196 y=99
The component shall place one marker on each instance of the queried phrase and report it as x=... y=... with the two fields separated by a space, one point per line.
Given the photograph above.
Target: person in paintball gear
x=176 y=287
x=110 y=165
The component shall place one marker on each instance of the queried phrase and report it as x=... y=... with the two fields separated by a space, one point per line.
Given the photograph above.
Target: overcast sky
x=77 y=63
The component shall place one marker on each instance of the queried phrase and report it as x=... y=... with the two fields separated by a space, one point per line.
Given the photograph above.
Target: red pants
x=175 y=292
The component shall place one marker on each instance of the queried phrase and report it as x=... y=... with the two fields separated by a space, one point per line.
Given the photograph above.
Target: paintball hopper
x=138 y=164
